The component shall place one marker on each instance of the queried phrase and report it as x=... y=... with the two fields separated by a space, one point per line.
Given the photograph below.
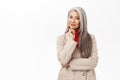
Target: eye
x=71 y=17
x=78 y=18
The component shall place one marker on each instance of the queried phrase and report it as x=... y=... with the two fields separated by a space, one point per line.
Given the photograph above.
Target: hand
x=71 y=33
x=65 y=65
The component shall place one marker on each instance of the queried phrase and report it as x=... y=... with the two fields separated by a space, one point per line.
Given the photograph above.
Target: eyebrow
x=75 y=16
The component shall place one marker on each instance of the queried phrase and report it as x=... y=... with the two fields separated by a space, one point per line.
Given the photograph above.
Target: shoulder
x=61 y=37
x=92 y=36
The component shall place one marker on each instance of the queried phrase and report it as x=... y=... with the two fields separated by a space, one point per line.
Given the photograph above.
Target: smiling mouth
x=72 y=24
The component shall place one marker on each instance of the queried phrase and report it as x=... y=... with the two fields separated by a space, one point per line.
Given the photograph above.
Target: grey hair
x=85 y=41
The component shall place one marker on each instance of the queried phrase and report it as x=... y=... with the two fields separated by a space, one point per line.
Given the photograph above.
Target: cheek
x=78 y=22
x=69 y=21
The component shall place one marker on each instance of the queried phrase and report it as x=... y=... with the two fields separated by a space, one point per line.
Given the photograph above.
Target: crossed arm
x=65 y=50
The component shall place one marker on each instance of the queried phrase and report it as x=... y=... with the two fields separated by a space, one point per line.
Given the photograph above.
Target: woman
x=76 y=48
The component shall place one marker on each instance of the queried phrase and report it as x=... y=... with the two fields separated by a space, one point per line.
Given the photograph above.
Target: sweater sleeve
x=86 y=63
x=65 y=49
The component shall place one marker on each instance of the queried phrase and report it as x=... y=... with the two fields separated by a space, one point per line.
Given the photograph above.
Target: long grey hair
x=85 y=41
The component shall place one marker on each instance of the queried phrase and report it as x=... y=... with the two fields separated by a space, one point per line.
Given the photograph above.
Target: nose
x=73 y=20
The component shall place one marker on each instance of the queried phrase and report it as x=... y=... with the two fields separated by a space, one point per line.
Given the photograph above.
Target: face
x=73 y=19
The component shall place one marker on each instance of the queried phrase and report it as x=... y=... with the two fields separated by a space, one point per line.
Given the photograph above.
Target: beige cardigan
x=80 y=68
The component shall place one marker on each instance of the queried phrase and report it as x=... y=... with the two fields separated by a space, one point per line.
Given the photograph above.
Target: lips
x=72 y=24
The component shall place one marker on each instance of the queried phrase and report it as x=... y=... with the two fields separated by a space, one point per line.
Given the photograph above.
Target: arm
x=86 y=63
x=65 y=49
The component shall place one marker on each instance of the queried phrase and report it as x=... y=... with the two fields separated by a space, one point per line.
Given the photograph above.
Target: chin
x=73 y=27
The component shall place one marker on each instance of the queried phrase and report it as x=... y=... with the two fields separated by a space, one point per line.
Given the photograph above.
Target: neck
x=76 y=28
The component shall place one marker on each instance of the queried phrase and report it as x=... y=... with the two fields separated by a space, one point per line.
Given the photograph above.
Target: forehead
x=73 y=12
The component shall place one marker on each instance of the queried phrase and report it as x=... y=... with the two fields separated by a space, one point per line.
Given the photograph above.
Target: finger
x=65 y=65
x=72 y=30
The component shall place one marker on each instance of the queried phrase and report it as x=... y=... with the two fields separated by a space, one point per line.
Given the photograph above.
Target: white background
x=28 y=32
